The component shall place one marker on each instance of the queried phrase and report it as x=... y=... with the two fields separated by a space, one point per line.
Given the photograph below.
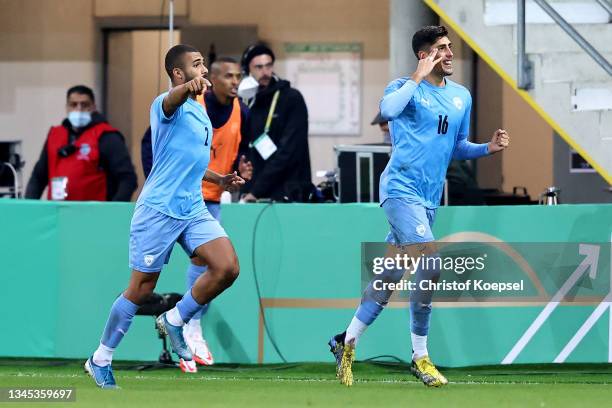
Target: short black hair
x=174 y=57
x=254 y=50
x=427 y=36
x=228 y=60
x=81 y=89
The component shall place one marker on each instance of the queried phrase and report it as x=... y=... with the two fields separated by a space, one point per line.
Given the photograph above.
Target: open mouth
x=447 y=64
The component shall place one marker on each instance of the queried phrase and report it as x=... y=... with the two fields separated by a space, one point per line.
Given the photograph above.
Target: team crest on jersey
x=425 y=102
x=420 y=229
x=148 y=259
x=458 y=102
x=84 y=152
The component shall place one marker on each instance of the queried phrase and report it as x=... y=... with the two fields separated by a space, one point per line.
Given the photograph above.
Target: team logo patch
x=84 y=151
x=458 y=102
x=420 y=229
x=425 y=102
x=148 y=259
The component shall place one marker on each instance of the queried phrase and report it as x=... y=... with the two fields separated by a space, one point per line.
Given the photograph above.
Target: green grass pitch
x=314 y=385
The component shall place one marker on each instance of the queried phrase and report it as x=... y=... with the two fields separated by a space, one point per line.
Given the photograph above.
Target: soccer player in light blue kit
x=171 y=209
x=429 y=119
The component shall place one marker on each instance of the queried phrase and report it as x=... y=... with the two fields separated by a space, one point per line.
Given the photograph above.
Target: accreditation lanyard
x=271 y=111
x=264 y=144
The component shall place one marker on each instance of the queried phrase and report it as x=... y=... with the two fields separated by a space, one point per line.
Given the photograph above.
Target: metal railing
x=524 y=65
x=606 y=5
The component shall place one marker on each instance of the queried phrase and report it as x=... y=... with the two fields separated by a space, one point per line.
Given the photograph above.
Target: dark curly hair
x=426 y=36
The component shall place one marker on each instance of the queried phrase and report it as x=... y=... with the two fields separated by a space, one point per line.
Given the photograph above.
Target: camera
x=67 y=150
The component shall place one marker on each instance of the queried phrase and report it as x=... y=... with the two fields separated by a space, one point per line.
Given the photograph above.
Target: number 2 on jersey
x=206 y=141
x=442 y=124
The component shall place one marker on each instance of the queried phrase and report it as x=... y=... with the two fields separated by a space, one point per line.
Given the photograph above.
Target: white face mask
x=79 y=119
x=248 y=88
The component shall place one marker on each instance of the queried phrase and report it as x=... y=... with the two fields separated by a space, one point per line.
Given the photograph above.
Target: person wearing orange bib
x=229 y=120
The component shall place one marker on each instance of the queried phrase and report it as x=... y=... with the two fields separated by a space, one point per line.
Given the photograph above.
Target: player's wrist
x=417 y=77
x=492 y=148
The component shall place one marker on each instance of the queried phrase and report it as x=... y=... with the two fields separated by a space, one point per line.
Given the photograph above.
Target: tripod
x=155 y=306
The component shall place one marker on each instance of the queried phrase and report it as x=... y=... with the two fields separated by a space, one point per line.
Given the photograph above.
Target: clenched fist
x=197 y=86
x=499 y=141
x=231 y=182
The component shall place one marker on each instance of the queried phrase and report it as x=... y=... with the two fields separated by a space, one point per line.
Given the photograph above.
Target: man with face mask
x=83 y=159
x=278 y=125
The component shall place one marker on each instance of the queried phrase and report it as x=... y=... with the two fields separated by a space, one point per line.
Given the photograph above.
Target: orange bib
x=224 y=149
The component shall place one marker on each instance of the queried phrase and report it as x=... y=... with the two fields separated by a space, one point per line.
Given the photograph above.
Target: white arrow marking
x=584 y=329
x=591 y=253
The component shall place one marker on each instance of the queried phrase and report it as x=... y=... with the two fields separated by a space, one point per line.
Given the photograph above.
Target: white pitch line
x=409 y=381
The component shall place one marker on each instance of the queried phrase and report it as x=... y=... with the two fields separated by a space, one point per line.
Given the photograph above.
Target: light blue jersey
x=429 y=126
x=181 y=152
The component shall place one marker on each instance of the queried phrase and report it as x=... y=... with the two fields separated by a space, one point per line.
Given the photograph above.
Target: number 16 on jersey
x=442 y=124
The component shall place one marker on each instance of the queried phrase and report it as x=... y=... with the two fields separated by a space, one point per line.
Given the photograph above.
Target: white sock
x=174 y=317
x=419 y=346
x=192 y=326
x=195 y=324
x=103 y=356
x=355 y=330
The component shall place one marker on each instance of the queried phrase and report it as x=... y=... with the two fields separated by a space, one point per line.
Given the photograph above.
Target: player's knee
x=231 y=270
x=139 y=294
x=226 y=269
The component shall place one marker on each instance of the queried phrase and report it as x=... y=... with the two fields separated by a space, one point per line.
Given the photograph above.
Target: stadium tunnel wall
x=63 y=264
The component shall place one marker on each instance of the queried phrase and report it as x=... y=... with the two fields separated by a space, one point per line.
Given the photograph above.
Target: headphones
x=243 y=60
x=260 y=48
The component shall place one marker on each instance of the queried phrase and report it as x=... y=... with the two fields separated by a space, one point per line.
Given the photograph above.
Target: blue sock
x=374 y=301
x=420 y=314
x=188 y=307
x=118 y=322
x=420 y=305
x=368 y=311
x=193 y=273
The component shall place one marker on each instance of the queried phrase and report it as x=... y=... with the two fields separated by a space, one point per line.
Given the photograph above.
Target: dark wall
x=576 y=187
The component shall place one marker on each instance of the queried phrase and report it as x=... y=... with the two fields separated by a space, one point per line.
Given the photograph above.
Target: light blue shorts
x=214 y=209
x=153 y=234
x=410 y=223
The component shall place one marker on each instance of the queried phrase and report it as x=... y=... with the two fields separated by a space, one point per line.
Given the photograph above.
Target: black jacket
x=286 y=174
x=114 y=159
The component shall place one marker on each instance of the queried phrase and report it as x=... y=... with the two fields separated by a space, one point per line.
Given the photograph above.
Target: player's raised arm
x=396 y=99
x=179 y=94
